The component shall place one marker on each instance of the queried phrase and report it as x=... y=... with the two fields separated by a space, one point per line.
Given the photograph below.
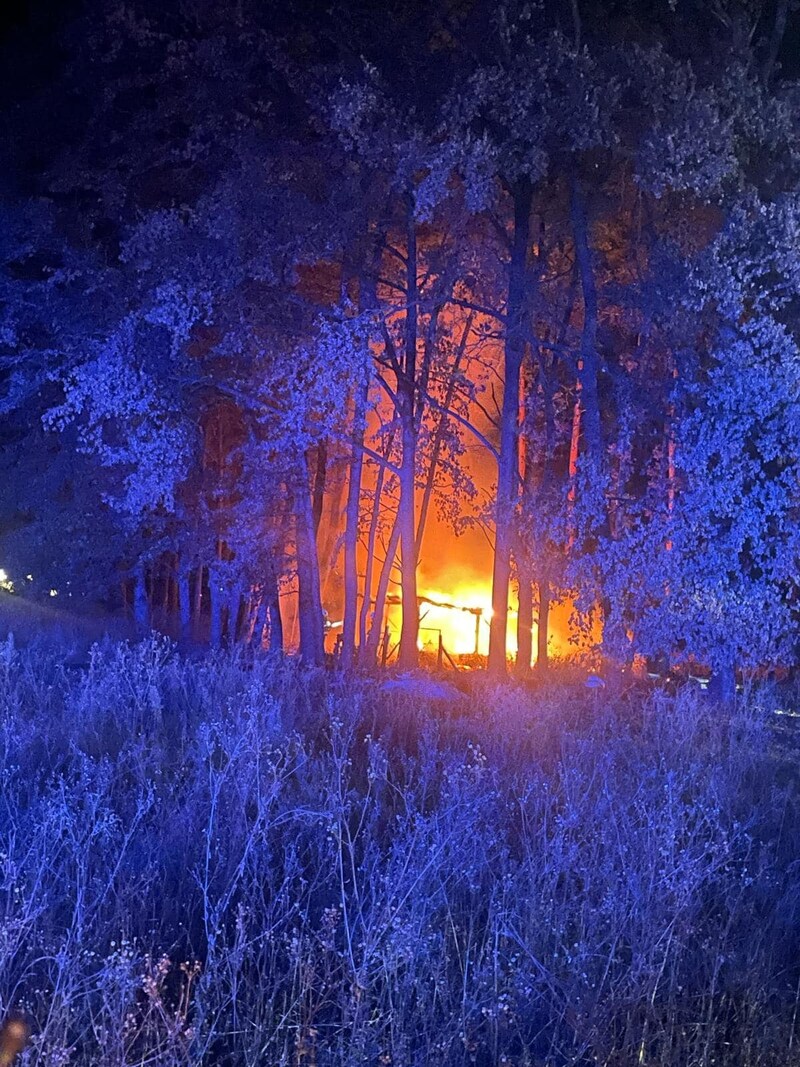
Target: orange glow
x=461 y=614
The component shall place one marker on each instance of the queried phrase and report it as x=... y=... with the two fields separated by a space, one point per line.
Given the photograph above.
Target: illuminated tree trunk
x=441 y=430
x=406 y=388
x=352 y=513
x=374 y=638
x=273 y=598
x=507 y=472
x=364 y=624
x=524 y=623
x=309 y=605
x=367 y=301
x=320 y=485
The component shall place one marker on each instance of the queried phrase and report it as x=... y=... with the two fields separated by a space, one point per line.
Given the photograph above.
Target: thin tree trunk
x=234 y=609
x=198 y=595
x=320 y=482
x=364 y=621
x=141 y=605
x=524 y=622
x=409 y=631
x=376 y=629
x=273 y=599
x=542 y=654
x=367 y=300
x=507 y=469
x=352 y=515
x=309 y=602
x=217 y=603
x=406 y=387
x=588 y=365
x=438 y=439
x=184 y=605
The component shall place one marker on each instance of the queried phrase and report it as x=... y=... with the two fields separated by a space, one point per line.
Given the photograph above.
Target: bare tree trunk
x=184 y=604
x=352 y=515
x=588 y=366
x=375 y=632
x=364 y=621
x=441 y=429
x=141 y=605
x=309 y=603
x=198 y=595
x=320 y=482
x=542 y=654
x=217 y=603
x=409 y=631
x=406 y=388
x=234 y=609
x=524 y=622
x=273 y=600
x=258 y=618
x=507 y=469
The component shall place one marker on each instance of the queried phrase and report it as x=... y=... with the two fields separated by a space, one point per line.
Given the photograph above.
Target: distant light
x=29 y=577
x=3 y=575
x=53 y=592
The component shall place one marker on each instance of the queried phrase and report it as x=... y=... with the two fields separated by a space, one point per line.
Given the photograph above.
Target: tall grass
x=219 y=862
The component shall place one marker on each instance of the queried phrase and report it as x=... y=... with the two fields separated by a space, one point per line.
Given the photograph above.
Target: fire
x=460 y=615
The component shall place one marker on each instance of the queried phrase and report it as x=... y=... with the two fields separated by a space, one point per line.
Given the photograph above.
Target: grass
x=229 y=862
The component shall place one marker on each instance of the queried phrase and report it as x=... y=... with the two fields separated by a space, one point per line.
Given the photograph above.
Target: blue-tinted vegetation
x=224 y=863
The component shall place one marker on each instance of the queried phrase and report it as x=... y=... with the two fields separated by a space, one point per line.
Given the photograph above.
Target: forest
x=399 y=417
x=315 y=321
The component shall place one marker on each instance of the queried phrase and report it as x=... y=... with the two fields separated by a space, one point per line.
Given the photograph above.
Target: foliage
x=231 y=862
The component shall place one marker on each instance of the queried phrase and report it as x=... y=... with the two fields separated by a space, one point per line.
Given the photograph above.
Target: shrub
x=232 y=862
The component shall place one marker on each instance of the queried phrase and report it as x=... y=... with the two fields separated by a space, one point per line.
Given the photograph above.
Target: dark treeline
x=272 y=276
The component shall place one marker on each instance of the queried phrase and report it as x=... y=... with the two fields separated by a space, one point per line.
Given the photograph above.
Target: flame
x=461 y=615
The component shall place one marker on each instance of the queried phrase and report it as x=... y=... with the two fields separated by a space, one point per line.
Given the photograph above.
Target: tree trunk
x=352 y=515
x=406 y=387
x=217 y=602
x=507 y=472
x=141 y=605
x=439 y=436
x=198 y=595
x=524 y=622
x=406 y=516
x=258 y=616
x=273 y=601
x=376 y=629
x=309 y=604
x=588 y=366
x=234 y=610
x=320 y=482
x=542 y=654
x=184 y=605
x=364 y=622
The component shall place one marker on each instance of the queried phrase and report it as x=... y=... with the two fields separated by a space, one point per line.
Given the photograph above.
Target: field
x=241 y=863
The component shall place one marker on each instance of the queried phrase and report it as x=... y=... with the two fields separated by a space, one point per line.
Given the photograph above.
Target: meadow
x=240 y=862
